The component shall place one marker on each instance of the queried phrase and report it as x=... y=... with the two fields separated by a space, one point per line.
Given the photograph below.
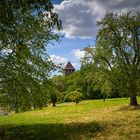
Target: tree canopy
x=117 y=54
x=26 y=27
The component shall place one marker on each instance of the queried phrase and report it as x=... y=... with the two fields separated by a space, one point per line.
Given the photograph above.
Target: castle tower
x=69 y=69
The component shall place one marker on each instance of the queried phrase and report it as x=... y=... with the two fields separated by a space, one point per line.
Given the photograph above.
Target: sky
x=79 y=19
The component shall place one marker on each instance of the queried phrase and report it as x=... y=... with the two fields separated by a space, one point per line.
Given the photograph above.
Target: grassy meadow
x=89 y=120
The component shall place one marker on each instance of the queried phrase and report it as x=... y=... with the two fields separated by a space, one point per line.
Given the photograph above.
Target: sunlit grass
x=92 y=119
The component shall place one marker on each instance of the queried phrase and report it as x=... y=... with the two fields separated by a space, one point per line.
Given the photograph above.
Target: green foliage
x=82 y=79
x=26 y=28
x=75 y=96
x=54 y=96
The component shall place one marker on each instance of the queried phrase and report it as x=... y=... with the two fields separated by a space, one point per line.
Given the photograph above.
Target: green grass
x=93 y=119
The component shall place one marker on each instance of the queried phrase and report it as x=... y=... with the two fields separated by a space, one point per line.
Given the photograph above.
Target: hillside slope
x=89 y=120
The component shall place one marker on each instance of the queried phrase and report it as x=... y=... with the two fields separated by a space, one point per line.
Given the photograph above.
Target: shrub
x=75 y=96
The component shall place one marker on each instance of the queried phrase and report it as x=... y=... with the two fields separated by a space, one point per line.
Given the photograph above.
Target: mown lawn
x=89 y=120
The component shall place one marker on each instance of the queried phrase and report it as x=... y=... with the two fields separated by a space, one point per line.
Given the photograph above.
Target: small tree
x=53 y=98
x=75 y=96
x=53 y=94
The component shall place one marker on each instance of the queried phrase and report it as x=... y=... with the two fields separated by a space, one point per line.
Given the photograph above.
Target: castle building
x=69 y=69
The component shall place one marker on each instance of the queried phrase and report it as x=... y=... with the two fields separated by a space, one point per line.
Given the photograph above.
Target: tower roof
x=69 y=66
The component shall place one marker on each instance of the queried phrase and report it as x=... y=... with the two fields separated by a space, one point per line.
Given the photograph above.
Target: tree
x=26 y=27
x=53 y=98
x=117 y=52
x=75 y=96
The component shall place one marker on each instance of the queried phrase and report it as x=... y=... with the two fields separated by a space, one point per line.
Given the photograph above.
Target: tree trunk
x=133 y=100
x=16 y=110
x=16 y=105
x=104 y=97
x=53 y=104
x=77 y=102
x=34 y=106
x=133 y=94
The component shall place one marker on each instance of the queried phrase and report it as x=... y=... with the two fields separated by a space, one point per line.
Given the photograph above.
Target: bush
x=75 y=96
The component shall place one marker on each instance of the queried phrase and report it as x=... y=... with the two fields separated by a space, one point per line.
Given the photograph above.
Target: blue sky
x=67 y=48
x=57 y=1
x=79 y=19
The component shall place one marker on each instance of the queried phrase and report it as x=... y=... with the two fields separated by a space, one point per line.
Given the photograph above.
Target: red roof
x=69 y=66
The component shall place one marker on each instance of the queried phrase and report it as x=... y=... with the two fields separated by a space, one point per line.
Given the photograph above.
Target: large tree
x=117 y=53
x=26 y=27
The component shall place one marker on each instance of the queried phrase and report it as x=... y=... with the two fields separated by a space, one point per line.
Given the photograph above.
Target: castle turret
x=69 y=69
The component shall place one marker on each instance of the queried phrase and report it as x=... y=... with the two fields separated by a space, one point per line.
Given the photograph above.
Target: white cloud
x=74 y=64
x=62 y=61
x=78 y=53
x=58 y=60
x=6 y=51
x=79 y=17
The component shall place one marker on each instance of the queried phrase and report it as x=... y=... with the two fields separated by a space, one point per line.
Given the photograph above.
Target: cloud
x=58 y=60
x=78 y=53
x=74 y=64
x=79 y=17
x=6 y=51
x=62 y=61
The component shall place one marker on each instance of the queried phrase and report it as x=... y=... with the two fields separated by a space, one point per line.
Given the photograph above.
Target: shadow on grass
x=72 y=131
x=129 y=108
